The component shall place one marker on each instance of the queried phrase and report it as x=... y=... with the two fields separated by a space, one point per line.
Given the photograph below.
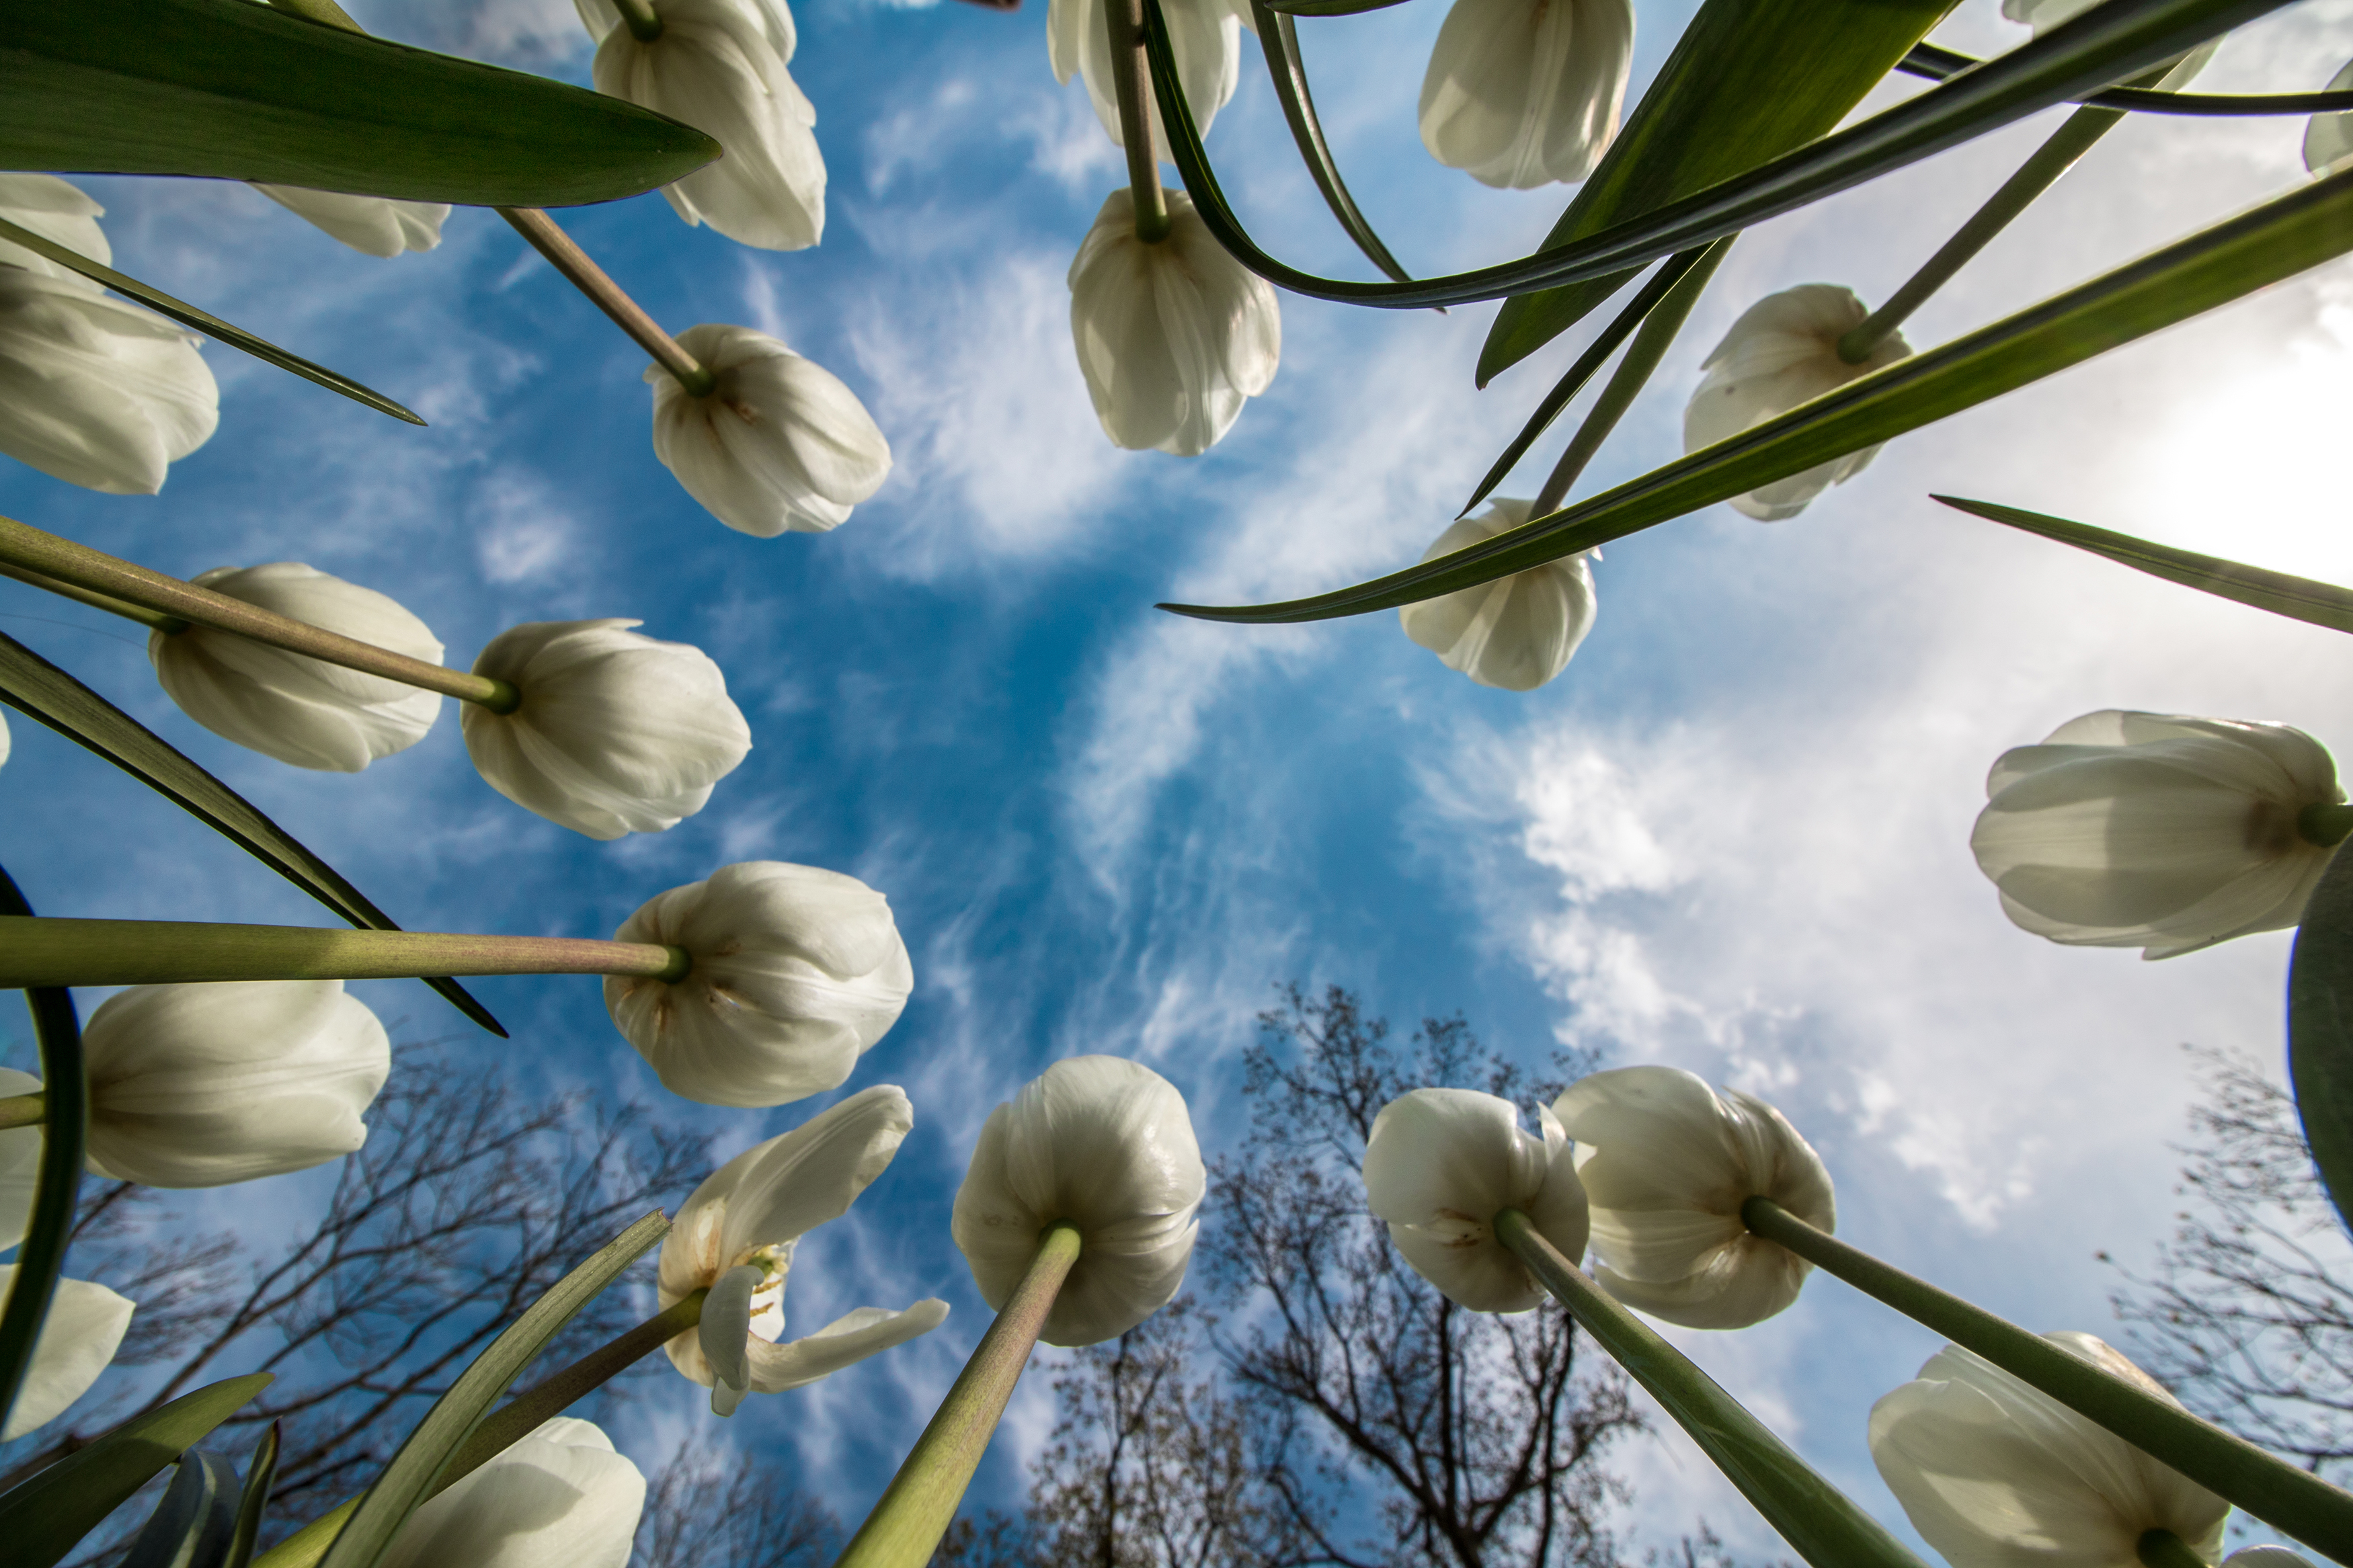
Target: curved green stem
x=2163 y=1549
x=38 y=953
x=41 y=1256
x=905 y=1527
x=24 y=1110
x=1815 y=1518
x=2325 y=824
x=2270 y=1489
x=564 y=254
x=1124 y=20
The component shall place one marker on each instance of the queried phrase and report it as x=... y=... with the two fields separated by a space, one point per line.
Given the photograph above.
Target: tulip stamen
x=645 y=22
x=24 y=1110
x=1131 y=83
x=566 y=256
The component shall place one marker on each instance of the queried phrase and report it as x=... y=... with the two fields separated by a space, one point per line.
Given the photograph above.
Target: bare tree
x=711 y=1507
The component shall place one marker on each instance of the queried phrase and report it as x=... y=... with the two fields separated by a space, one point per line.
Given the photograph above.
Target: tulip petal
x=96 y=392
x=869 y=1331
x=20 y=1163
x=1523 y=92
x=77 y=1341
x=560 y=1496
x=373 y=226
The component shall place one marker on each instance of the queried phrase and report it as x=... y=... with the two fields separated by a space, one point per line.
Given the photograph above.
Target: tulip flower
x=616 y=733
x=375 y=226
x=287 y=705
x=780 y=442
x=2156 y=831
x=96 y=392
x=2328 y=138
x=1107 y=1145
x=734 y=1238
x=77 y=1341
x=718 y=66
x=1783 y=351
x=1667 y=1162
x=1523 y=92
x=1204 y=35
x=20 y=1163
x=54 y=210
x=561 y=1498
x=1442 y=1163
x=1518 y=632
x=1994 y=1474
x=1173 y=337
x=797 y=972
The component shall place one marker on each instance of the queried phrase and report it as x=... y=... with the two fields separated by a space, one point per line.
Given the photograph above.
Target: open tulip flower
x=1994 y=1474
x=77 y=1341
x=1173 y=337
x=1667 y=1162
x=1442 y=1163
x=297 y=709
x=2156 y=831
x=373 y=226
x=779 y=443
x=54 y=209
x=1205 y=35
x=1524 y=93
x=1518 y=632
x=1783 y=351
x=734 y=1238
x=795 y=972
x=616 y=733
x=561 y=1498
x=96 y=392
x=1106 y=1145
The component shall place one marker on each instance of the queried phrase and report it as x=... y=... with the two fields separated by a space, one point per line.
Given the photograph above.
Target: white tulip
x=375 y=226
x=96 y=392
x=2156 y=831
x=1521 y=93
x=54 y=210
x=718 y=66
x=1441 y=1164
x=780 y=442
x=1173 y=338
x=20 y=1163
x=798 y=972
x=736 y=1237
x=287 y=705
x=560 y=1498
x=4 y=743
x=2044 y=15
x=617 y=732
x=1667 y=1162
x=1105 y=1144
x=1204 y=35
x=1994 y=1474
x=2328 y=138
x=1783 y=351
x=1518 y=632
x=77 y=1341
x=198 y=1086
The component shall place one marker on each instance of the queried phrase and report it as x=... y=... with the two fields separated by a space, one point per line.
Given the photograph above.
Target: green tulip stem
x=36 y=951
x=24 y=1110
x=905 y=1527
x=46 y=560
x=1815 y=1518
x=170 y=626
x=2163 y=1549
x=566 y=256
x=645 y=24
x=2283 y=1496
x=1131 y=80
x=2325 y=824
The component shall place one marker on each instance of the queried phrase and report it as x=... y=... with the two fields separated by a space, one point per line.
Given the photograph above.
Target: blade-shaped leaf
x=188 y=315
x=237 y=90
x=41 y=1256
x=1329 y=7
x=1279 y=37
x=260 y=1472
x=2278 y=239
x=1940 y=64
x=40 y=689
x=43 y=1518
x=408 y=1480
x=195 y=1525
x=2320 y=1030
x=2297 y=598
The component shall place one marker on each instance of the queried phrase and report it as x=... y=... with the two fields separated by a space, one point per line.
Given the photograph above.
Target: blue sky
x=1732 y=837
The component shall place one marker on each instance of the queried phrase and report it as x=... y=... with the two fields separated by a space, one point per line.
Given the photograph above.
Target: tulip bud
x=1441 y=1164
x=1523 y=92
x=1518 y=632
x=287 y=705
x=1993 y=1472
x=95 y=392
x=54 y=210
x=2154 y=831
x=1783 y=351
x=373 y=226
x=616 y=733
x=780 y=442
x=1174 y=337
x=718 y=66
x=797 y=972
x=77 y=1341
x=560 y=1498
x=1107 y=1145
x=2328 y=138
x=1667 y=1162
x=1204 y=35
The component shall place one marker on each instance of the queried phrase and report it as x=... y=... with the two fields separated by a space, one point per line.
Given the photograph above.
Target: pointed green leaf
x=42 y=1518
x=40 y=689
x=2320 y=1030
x=260 y=1472
x=1940 y=65
x=1279 y=38
x=194 y=1525
x=1328 y=7
x=235 y=90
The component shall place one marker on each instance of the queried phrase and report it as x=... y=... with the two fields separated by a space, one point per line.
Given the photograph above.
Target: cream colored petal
x=1523 y=92
x=561 y=1498
x=1439 y=1165
x=2328 y=138
x=1205 y=35
x=373 y=226
x=95 y=392
x=77 y=1339
x=54 y=210
x=20 y=1163
x=869 y=1331
x=780 y=445
x=816 y=1172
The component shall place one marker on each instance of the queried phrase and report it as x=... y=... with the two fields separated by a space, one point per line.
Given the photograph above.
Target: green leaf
x=41 y=690
x=2320 y=1030
x=2283 y=237
x=42 y=1519
x=408 y=1480
x=260 y=1472
x=234 y=91
x=1940 y=64
x=189 y=316
x=1328 y=7
x=196 y=1521
x=48 y=1230
x=1279 y=37
x=2297 y=598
